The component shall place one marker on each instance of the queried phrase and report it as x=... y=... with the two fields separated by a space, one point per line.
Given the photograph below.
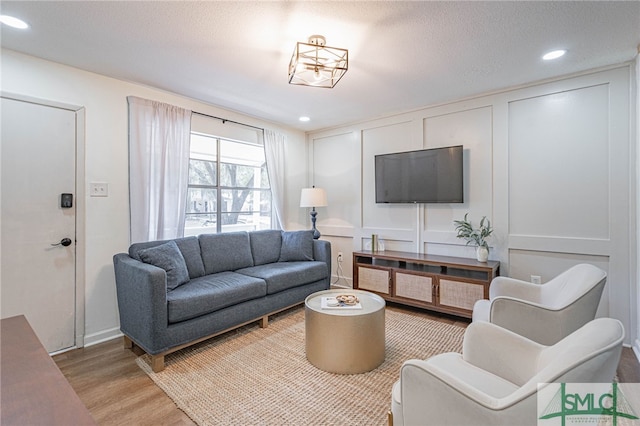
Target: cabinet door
x=373 y=279
x=459 y=294
x=416 y=287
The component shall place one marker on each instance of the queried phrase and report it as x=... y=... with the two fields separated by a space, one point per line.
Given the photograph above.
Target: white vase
x=482 y=253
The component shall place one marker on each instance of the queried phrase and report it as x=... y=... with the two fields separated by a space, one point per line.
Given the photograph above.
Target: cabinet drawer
x=373 y=279
x=460 y=294
x=416 y=287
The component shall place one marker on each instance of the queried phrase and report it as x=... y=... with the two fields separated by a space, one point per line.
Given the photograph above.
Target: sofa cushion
x=189 y=247
x=265 y=246
x=296 y=246
x=212 y=293
x=284 y=275
x=168 y=257
x=225 y=252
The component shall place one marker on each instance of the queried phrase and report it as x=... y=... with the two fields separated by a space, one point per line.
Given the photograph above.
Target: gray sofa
x=175 y=293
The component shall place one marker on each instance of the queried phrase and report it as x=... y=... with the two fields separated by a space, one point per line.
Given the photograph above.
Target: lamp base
x=316 y=233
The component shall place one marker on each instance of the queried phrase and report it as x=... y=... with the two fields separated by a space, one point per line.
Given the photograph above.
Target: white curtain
x=274 y=143
x=159 y=136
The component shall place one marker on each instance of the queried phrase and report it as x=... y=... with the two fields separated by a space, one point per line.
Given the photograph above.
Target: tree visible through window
x=228 y=187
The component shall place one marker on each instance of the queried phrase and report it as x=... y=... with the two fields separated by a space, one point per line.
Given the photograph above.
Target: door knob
x=63 y=242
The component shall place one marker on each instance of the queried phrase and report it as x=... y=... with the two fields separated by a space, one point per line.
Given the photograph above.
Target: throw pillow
x=190 y=249
x=168 y=257
x=296 y=245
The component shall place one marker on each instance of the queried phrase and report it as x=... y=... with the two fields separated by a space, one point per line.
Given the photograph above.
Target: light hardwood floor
x=116 y=391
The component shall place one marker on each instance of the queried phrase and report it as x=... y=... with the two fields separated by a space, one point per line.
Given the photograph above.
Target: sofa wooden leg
x=157 y=363
x=129 y=344
x=137 y=350
x=264 y=321
x=390 y=418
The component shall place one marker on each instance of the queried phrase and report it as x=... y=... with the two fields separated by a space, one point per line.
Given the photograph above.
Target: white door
x=38 y=165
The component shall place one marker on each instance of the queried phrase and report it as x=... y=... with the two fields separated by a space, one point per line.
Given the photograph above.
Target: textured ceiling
x=403 y=55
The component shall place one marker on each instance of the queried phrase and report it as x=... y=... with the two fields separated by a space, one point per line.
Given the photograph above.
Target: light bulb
x=13 y=22
x=554 y=55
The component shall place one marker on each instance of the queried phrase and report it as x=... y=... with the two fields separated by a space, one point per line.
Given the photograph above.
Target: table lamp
x=313 y=197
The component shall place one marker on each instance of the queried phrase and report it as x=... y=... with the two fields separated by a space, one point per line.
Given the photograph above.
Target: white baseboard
x=341 y=282
x=339 y=287
x=103 y=336
x=636 y=349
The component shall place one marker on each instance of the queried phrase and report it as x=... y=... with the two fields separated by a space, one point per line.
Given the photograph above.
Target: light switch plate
x=99 y=189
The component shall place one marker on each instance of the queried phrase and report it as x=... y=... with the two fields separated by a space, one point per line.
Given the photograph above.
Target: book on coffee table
x=333 y=303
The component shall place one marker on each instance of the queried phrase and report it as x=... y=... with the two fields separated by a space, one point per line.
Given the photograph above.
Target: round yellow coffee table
x=345 y=340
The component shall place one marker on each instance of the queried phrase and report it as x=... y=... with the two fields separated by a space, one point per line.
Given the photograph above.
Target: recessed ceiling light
x=554 y=55
x=304 y=119
x=13 y=22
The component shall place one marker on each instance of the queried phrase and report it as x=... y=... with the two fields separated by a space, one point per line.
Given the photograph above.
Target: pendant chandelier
x=315 y=64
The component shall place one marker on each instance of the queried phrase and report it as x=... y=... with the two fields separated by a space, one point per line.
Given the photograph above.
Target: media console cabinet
x=440 y=283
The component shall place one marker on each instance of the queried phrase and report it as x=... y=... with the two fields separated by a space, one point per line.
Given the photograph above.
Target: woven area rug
x=255 y=376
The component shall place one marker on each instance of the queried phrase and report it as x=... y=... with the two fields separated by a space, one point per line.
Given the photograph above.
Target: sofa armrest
x=322 y=252
x=142 y=302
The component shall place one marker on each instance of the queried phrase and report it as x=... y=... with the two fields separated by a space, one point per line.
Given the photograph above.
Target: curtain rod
x=224 y=120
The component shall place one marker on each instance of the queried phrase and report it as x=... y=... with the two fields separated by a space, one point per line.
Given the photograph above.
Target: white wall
x=341 y=160
x=106 y=160
x=552 y=165
x=636 y=128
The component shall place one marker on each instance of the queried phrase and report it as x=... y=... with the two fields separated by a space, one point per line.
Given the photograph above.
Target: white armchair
x=495 y=379
x=545 y=312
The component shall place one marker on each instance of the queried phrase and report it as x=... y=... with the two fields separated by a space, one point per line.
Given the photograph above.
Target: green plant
x=474 y=236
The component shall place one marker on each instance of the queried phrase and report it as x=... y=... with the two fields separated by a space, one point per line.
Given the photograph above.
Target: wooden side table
x=33 y=389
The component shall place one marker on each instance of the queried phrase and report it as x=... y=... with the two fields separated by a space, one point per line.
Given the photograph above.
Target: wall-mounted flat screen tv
x=423 y=176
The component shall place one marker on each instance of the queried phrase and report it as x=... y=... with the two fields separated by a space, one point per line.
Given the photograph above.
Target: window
x=228 y=187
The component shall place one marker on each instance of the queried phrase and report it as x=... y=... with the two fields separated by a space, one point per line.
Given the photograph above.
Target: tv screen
x=424 y=176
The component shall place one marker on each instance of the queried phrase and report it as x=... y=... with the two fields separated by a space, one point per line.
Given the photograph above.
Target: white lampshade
x=313 y=197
